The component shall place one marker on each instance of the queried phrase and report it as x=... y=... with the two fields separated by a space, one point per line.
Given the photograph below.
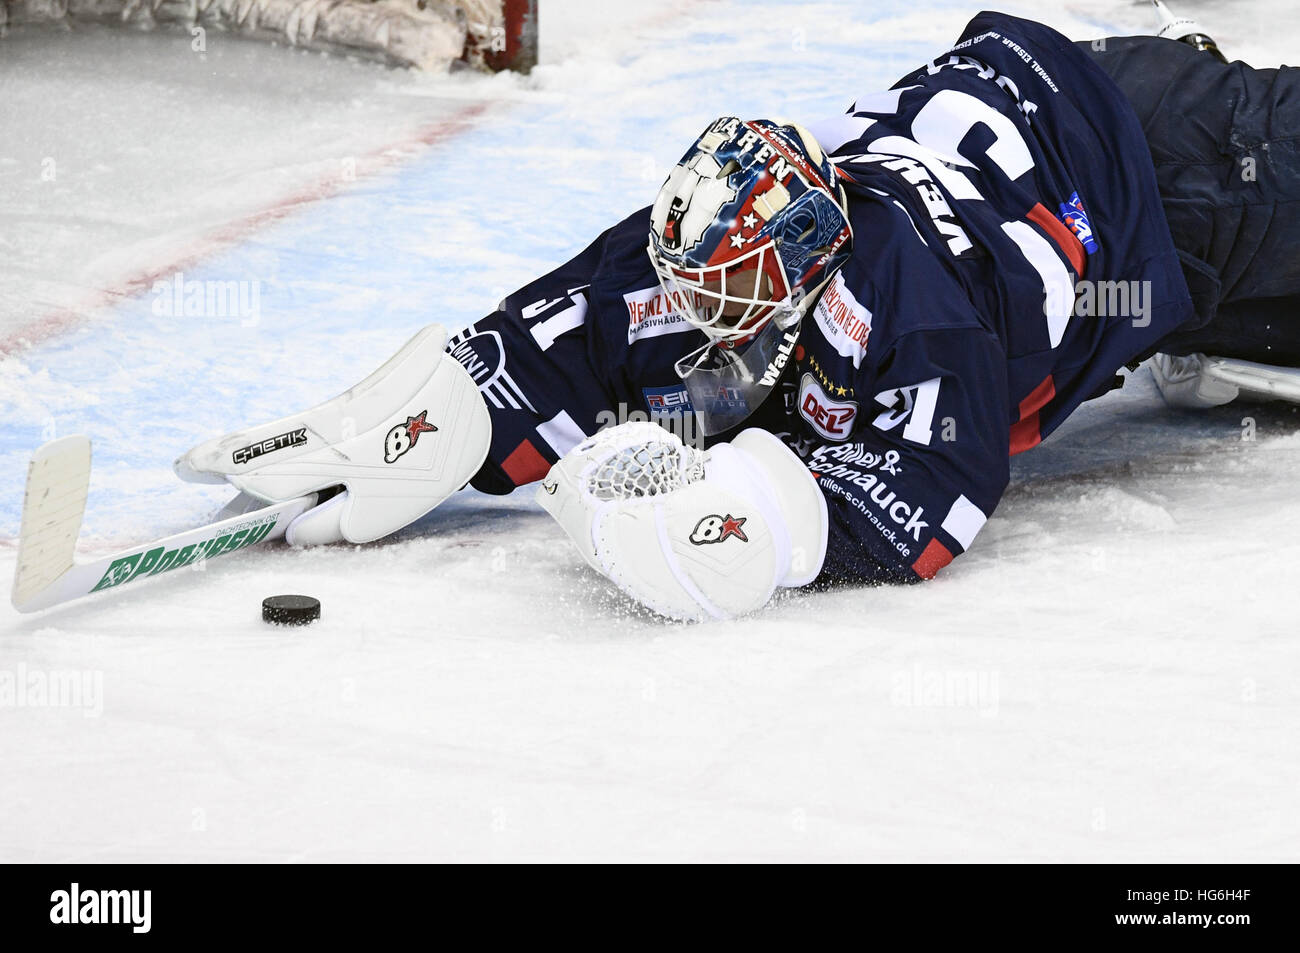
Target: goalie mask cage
x=430 y=35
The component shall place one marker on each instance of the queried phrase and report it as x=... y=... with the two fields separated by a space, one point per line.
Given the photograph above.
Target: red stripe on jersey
x=1038 y=397
x=525 y=464
x=1025 y=432
x=934 y=557
x=1065 y=239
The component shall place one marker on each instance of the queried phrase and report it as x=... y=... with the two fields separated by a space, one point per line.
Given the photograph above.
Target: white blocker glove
x=691 y=534
x=398 y=444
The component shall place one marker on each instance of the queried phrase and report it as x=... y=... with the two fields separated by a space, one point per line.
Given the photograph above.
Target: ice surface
x=1109 y=674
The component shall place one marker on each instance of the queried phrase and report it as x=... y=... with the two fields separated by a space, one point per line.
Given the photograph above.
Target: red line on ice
x=64 y=319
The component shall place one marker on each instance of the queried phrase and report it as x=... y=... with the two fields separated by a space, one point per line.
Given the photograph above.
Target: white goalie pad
x=1264 y=381
x=1200 y=381
x=401 y=442
x=690 y=534
x=1183 y=382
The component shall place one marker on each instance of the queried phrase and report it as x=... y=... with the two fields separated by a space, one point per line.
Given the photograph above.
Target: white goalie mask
x=747 y=229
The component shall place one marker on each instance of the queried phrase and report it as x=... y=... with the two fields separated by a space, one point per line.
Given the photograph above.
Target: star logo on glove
x=404 y=436
x=732 y=527
x=714 y=529
x=418 y=425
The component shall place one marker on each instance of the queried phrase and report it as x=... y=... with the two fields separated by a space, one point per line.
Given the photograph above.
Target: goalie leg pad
x=1199 y=380
x=1184 y=382
x=1253 y=379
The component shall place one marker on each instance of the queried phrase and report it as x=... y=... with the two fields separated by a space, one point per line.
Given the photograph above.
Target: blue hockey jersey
x=1010 y=254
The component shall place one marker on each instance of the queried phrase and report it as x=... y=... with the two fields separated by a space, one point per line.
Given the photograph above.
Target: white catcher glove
x=691 y=534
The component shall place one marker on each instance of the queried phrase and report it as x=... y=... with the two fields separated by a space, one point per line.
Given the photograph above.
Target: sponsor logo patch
x=857 y=455
x=404 y=436
x=667 y=400
x=831 y=418
x=294 y=438
x=779 y=361
x=652 y=312
x=723 y=400
x=1076 y=220
x=717 y=529
x=483 y=355
x=844 y=322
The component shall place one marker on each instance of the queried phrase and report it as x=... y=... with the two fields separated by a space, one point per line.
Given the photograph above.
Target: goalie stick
x=1259 y=380
x=58 y=481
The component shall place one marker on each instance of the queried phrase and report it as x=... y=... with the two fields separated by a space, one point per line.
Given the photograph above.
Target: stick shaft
x=190 y=548
x=57 y=483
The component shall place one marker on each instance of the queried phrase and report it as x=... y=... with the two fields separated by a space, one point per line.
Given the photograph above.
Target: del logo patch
x=831 y=418
x=844 y=322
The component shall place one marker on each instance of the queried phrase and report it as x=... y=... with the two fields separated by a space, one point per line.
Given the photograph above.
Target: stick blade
x=58 y=481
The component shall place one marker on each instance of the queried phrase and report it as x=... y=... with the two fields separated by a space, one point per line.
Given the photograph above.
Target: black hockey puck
x=290 y=610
